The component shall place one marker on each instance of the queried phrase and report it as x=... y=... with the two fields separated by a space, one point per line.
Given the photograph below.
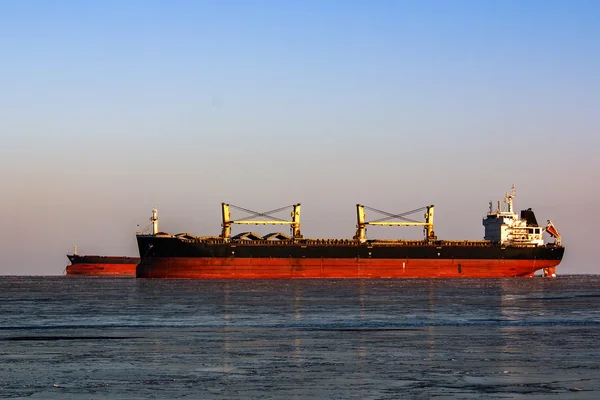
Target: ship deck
x=215 y=240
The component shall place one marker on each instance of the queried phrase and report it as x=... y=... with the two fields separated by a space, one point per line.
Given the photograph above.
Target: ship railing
x=341 y=242
x=466 y=243
x=513 y=244
x=352 y=242
x=522 y=240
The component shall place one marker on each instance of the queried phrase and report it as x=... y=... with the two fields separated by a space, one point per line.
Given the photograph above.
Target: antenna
x=154 y=220
x=509 y=199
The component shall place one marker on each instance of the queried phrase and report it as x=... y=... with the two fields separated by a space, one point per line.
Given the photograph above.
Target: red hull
x=101 y=270
x=273 y=268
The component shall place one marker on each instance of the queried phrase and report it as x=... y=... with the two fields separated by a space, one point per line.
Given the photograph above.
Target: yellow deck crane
x=361 y=227
x=227 y=221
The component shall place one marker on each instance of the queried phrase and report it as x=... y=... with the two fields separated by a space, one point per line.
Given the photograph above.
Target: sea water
x=126 y=338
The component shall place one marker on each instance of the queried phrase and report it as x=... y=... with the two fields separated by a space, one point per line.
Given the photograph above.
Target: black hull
x=77 y=259
x=171 y=247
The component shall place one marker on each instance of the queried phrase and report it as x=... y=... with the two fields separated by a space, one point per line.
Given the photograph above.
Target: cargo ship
x=91 y=265
x=513 y=246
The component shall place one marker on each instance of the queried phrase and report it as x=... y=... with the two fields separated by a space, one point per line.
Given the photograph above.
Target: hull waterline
x=101 y=270
x=269 y=268
x=85 y=265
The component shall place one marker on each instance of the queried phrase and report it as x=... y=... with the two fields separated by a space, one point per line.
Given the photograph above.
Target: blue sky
x=111 y=108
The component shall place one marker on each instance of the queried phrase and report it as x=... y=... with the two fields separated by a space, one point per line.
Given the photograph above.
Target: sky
x=111 y=108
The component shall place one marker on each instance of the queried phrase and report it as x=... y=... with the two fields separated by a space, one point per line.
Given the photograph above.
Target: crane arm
x=551 y=229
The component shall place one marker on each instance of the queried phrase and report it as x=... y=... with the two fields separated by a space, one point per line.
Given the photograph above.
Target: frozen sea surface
x=98 y=338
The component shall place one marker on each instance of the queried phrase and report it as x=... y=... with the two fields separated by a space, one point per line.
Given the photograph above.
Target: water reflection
x=227 y=329
x=362 y=350
x=431 y=331
x=297 y=317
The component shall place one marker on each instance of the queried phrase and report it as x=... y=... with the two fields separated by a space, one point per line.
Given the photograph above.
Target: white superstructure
x=504 y=226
